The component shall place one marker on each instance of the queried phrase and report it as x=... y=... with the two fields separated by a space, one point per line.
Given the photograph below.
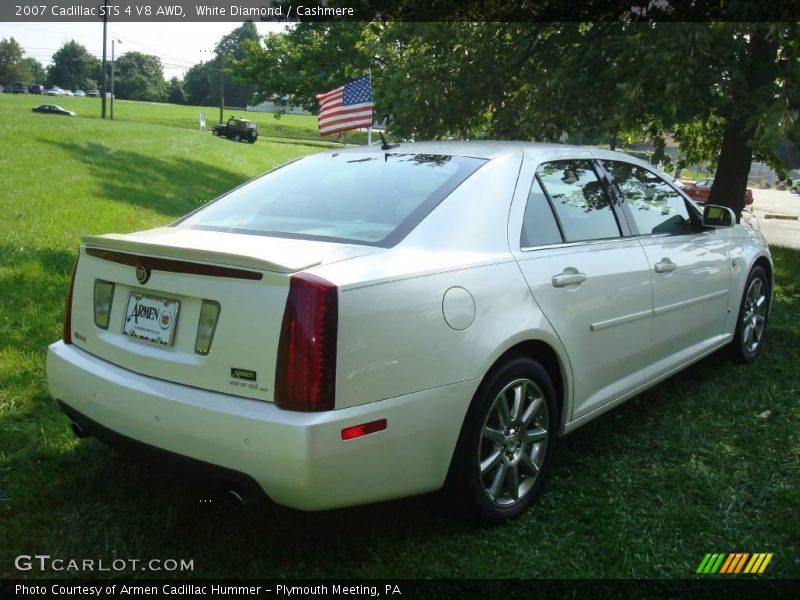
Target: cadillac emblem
x=142 y=274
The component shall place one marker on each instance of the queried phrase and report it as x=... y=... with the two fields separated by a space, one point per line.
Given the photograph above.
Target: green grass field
x=647 y=490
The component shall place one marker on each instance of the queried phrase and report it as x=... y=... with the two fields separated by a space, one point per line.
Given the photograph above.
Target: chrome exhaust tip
x=78 y=430
x=234 y=498
x=239 y=499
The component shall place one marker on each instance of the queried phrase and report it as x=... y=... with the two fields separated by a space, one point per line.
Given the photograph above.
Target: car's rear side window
x=539 y=226
x=656 y=207
x=581 y=203
x=367 y=198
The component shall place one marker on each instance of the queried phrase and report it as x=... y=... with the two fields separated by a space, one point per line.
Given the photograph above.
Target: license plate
x=151 y=318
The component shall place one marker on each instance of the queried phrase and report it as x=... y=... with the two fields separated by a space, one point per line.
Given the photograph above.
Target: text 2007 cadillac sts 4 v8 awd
x=373 y=323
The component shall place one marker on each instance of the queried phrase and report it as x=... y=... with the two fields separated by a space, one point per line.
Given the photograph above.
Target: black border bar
x=180 y=11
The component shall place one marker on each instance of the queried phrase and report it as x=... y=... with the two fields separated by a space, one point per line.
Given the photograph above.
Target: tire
x=236 y=137
x=214 y=132
x=751 y=323
x=506 y=443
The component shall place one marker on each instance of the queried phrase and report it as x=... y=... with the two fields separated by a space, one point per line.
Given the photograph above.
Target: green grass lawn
x=294 y=127
x=647 y=490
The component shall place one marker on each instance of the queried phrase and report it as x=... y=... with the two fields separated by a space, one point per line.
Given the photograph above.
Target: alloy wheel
x=513 y=442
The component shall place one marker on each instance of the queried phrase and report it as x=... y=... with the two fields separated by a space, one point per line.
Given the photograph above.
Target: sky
x=178 y=45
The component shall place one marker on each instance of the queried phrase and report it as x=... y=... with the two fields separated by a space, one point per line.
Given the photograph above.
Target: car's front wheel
x=237 y=137
x=752 y=321
x=506 y=443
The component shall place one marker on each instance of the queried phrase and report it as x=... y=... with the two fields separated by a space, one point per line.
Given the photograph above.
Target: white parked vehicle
x=55 y=91
x=80 y=93
x=368 y=324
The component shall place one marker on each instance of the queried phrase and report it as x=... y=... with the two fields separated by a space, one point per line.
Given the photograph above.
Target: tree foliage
x=139 y=76
x=175 y=91
x=72 y=67
x=38 y=72
x=290 y=67
x=229 y=49
x=728 y=91
x=13 y=66
x=197 y=83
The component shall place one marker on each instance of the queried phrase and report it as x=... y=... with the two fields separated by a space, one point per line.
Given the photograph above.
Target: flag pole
x=369 y=129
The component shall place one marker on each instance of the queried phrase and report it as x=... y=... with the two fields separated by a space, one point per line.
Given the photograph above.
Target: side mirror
x=718 y=216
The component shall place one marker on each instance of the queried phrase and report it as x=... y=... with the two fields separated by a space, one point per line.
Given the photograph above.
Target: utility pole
x=221 y=93
x=112 y=76
x=105 y=27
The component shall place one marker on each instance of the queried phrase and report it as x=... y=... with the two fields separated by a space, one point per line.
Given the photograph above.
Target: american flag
x=347 y=107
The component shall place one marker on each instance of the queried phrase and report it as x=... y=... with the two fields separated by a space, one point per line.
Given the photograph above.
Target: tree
x=38 y=72
x=291 y=66
x=139 y=76
x=197 y=84
x=72 y=67
x=229 y=50
x=728 y=90
x=12 y=64
x=175 y=93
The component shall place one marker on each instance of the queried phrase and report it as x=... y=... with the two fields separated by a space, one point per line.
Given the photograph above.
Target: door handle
x=568 y=277
x=665 y=265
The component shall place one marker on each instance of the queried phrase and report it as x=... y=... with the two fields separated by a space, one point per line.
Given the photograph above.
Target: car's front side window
x=656 y=207
x=582 y=206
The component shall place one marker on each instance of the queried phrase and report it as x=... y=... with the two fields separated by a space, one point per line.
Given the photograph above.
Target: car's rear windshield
x=363 y=198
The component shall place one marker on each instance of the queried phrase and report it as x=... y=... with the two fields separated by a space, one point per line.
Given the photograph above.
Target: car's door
x=591 y=282
x=690 y=267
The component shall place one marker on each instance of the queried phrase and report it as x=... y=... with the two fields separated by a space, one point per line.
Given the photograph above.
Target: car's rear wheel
x=752 y=321
x=506 y=443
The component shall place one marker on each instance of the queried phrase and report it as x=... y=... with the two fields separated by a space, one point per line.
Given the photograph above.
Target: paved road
x=777 y=232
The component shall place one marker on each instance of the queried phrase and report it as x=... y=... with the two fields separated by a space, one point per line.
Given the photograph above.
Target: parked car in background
x=36 y=89
x=699 y=191
x=2 y=89
x=364 y=324
x=54 y=109
x=237 y=130
x=80 y=93
x=54 y=91
x=19 y=88
x=93 y=93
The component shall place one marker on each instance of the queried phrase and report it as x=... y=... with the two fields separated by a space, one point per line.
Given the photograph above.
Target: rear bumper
x=298 y=459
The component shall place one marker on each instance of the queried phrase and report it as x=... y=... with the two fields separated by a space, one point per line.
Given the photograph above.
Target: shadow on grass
x=131 y=507
x=172 y=187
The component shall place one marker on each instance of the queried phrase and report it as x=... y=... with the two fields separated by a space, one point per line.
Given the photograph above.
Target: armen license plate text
x=151 y=318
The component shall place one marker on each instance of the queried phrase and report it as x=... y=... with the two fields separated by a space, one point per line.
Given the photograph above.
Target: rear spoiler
x=196 y=251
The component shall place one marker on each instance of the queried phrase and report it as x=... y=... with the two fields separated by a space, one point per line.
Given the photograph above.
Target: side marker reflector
x=355 y=431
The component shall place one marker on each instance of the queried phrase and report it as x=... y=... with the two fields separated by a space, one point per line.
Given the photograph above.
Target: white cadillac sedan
x=373 y=323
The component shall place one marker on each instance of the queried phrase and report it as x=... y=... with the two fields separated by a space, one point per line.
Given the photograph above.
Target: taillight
x=103 y=298
x=206 y=326
x=305 y=378
x=68 y=311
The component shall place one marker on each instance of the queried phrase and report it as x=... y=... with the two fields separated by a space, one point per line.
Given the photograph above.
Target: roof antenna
x=384 y=145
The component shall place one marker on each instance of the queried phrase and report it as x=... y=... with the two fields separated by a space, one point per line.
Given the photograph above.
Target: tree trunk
x=730 y=181
x=735 y=156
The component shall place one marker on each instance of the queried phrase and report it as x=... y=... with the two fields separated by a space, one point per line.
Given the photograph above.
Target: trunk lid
x=246 y=276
